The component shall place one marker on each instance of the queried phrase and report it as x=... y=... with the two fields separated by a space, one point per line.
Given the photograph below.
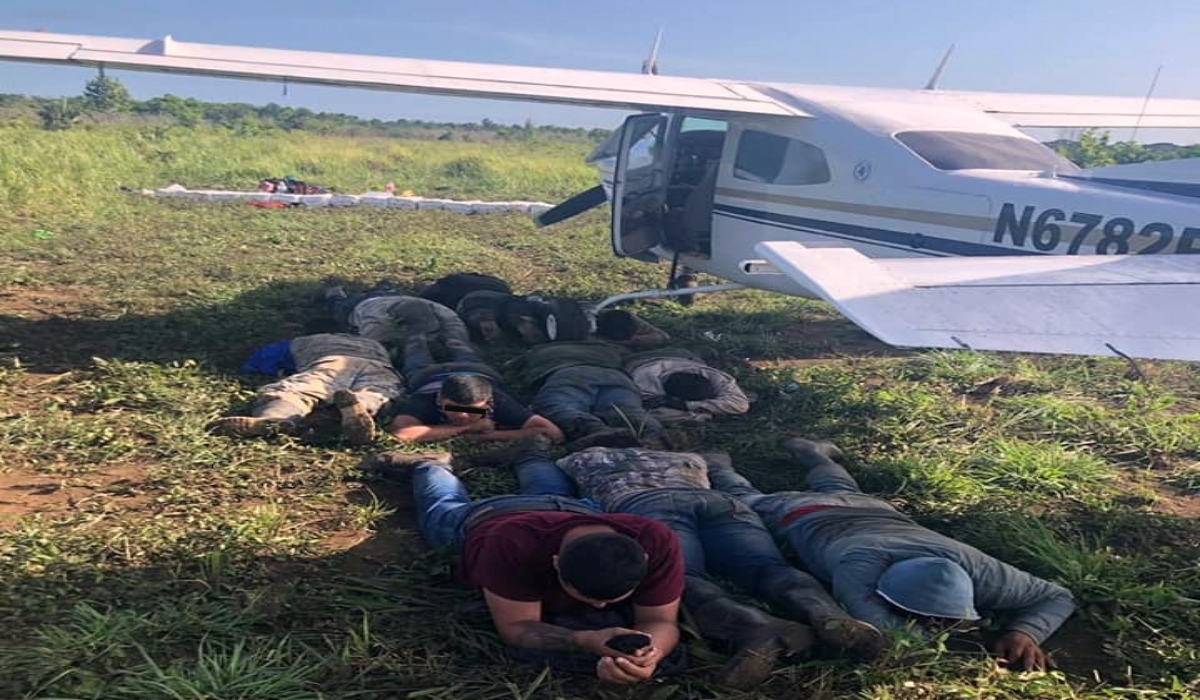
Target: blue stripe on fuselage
x=897 y=240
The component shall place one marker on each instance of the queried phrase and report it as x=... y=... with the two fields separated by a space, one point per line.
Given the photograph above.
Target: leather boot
x=357 y=424
x=759 y=640
x=832 y=625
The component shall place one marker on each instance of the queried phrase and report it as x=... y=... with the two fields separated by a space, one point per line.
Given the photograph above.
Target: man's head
x=465 y=391
x=601 y=567
x=614 y=324
x=929 y=587
x=689 y=386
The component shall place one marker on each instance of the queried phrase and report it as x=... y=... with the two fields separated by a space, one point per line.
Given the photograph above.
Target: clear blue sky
x=1066 y=46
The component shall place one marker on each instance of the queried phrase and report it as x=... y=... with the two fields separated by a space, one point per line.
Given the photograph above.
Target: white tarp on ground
x=369 y=199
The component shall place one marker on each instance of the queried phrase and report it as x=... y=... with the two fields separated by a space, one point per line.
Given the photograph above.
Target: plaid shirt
x=609 y=475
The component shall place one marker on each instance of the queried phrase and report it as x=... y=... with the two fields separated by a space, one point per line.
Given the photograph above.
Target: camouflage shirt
x=609 y=475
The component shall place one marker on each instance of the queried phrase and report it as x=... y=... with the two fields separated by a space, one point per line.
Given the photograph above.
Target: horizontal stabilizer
x=1139 y=306
x=552 y=85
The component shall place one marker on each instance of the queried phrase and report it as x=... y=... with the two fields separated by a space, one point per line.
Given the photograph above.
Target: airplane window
x=778 y=160
x=952 y=150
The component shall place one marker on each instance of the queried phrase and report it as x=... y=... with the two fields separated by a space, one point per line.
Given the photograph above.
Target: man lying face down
x=566 y=584
x=890 y=571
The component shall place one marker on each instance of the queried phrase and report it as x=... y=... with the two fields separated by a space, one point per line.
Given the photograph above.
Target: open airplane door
x=639 y=196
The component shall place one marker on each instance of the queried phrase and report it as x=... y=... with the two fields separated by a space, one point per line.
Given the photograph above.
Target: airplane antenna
x=1145 y=104
x=937 y=73
x=650 y=65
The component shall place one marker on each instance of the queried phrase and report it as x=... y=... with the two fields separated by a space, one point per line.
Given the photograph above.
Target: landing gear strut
x=681 y=277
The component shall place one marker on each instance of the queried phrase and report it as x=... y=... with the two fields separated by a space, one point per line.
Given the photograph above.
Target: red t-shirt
x=512 y=556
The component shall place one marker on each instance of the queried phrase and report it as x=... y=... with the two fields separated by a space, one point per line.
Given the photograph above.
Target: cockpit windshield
x=612 y=144
x=956 y=150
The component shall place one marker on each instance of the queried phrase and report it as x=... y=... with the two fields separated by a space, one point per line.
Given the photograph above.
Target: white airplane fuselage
x=887 y=198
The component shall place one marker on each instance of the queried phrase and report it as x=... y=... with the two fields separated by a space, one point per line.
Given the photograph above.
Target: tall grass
x=64 y=172
x=141 y=557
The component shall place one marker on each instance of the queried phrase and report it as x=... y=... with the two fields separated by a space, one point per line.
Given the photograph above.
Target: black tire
x=566 y=319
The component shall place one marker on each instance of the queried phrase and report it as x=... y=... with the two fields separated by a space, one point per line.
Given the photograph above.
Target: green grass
x=142 y=558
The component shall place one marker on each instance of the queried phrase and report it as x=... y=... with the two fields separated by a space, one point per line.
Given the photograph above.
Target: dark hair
x=466 y=388
x=450 y=290
x=322 y=324
x=603 y=565
x=689 y=386
x=615 y=324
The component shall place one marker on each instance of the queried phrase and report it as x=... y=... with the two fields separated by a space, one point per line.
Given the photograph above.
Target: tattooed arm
x=519 y=624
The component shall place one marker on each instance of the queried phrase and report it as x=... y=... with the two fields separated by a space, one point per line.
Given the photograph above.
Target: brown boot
x=534 y=445
x=810 y=452
x=758 y=653
x=861 y=639
x=357 y=424
x=801 y=597
x=250 y=426
x=760 y=642
x=395 y=465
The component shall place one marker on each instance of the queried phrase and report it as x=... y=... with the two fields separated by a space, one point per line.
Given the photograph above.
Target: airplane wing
x=1080 y=111
x=577 y=87
x=1135 y=305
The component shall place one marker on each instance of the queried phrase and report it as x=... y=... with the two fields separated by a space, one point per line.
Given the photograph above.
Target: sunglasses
x=454 y=408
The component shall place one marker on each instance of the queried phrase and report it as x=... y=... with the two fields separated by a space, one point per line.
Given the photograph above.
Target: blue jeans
x=829 y=483
x=722 y=536
x=538 y=474
x=443 y=506
x=418 y=355
x=584 y=399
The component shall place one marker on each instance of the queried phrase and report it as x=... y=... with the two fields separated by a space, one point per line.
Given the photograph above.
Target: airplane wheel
x=684 y=282
x=566 y=320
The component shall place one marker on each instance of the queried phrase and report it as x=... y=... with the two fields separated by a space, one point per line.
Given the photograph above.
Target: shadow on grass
x=219 y=336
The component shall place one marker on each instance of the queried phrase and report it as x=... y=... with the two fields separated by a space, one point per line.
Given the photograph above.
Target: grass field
x=141 y=558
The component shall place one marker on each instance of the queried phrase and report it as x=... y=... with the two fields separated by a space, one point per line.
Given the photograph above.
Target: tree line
x=106 y=100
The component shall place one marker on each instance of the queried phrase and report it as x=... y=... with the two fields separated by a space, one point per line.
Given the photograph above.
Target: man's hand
x=621 y=670
x=628 y=668
x=483 y=425
x=655 y=401
x=1018 y=651
x=665 y=400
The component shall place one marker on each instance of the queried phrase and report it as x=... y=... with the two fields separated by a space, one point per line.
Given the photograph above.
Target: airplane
x=924 y=216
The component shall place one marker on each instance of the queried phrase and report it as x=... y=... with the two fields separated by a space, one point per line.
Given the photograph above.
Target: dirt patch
x=1078 y=650
x=23 y=493
x=42 y=303
x=1170 y=502
x=392 y=540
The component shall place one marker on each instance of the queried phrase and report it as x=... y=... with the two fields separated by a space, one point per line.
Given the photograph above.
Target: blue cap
x=929 y=586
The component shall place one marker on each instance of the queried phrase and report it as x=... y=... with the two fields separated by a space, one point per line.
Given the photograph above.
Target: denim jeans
x=584 y=399
x=418 y=354
x=719 y=535
x=829 y=483
x=538 y=474
x=443 y=506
